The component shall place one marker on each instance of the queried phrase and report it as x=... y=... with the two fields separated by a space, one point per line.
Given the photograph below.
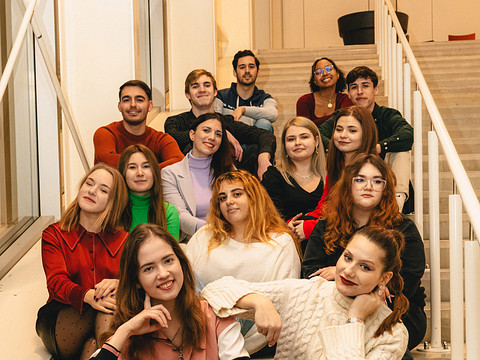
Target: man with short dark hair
x=200 y=90
x=395 y=134
x=135 y=103
x=243 y=100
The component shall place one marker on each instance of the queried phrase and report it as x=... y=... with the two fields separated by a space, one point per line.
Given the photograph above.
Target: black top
x=290 y=200
x=413 y=258
x=178 y=127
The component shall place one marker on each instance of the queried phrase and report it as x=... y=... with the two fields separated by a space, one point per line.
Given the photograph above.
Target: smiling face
x=327 y=78
x=201 y=93
x=246 y=71
x=93 y=194
x=206 y=138
x=160 y=271
x=300 y=143
x=362 y=93
x=139 y=174
x=360 y=268
x=134 y=105
x=365 y=198
x=234 y=203
x=347 y=135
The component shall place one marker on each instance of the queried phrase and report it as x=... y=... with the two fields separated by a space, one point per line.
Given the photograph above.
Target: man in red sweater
x=135 y=102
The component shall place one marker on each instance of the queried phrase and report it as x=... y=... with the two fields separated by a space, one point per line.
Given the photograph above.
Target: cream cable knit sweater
x=314 y=318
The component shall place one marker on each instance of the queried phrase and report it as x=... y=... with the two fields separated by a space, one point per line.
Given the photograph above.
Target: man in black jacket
x=200 y=90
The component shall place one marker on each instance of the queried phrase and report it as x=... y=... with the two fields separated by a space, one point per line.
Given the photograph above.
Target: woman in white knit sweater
x=245 y=237
x=345 y=319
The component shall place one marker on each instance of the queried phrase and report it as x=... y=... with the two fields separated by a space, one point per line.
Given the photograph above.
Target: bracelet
x=355 y=320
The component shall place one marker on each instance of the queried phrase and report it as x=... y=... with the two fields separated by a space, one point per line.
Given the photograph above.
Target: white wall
x=313 y=23
x=191 y=44
x=233 y=26
x=97 y=52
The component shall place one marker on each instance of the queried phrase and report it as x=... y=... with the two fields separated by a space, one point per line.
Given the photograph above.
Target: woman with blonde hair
x=140 y=170
x=245 y=237
x=81 y=256
x=296 y=182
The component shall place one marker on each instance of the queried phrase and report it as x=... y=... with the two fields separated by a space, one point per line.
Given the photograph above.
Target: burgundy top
x=306 y=107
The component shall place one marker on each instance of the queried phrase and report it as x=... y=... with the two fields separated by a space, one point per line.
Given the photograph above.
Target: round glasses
x=327 y=69
x=360 y=183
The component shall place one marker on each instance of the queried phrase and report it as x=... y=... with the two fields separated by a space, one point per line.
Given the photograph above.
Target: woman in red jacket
x=81 y=256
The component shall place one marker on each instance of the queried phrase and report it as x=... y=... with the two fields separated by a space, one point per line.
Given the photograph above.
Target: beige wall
x=313 y=23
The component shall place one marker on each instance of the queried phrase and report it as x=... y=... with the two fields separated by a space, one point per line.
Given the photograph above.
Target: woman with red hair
x=365 y=196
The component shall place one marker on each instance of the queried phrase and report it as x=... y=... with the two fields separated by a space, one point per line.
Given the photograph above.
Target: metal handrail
x=388 y=30
x=7 y=72
x=465 y=188
x=29 y=17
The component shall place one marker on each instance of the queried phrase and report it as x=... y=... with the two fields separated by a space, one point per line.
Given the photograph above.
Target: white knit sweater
x=314 y=318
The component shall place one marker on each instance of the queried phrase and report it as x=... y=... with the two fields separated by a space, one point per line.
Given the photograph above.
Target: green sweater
x=140 y=207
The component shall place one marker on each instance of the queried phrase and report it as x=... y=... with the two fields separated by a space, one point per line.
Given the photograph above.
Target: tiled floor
x=23 y=292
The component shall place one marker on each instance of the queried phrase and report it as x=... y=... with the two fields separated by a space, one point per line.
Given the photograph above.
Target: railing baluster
x=434 y=226
x=456 y=276
x=418 y=159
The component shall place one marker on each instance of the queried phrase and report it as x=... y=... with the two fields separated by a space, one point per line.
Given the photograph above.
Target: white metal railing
x=29 y=17
x=393 y=47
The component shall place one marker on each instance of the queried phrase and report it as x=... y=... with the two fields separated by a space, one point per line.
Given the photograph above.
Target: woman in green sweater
x=140 y=170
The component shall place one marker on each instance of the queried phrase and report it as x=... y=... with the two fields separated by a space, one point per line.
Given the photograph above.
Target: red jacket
x=75 y=261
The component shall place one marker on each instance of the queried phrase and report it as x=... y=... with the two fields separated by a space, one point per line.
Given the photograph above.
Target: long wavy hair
x=339 y=86
x=110 y=218
x=222 y=160
x=317 y=162
x=156 y=212
x=130 y=296
x=392 y=243
x=335 y=157
x=338 y=209
x=264 y=218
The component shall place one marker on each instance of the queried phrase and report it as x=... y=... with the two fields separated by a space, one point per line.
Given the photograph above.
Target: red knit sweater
x=109 y=142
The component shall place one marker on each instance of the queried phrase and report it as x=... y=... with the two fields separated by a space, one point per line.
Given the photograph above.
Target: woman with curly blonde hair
x=365 y=196
x=245 y=237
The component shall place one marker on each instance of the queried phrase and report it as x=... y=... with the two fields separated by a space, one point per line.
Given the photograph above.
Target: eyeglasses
x=360 y=183
x=327 y=69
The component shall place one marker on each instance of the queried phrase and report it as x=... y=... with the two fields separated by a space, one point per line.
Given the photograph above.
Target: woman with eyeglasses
x=354 y=133
x=327 y=83
x=365 y=196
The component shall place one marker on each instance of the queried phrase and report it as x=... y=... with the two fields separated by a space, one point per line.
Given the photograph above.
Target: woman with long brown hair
x=159 y=315
x=320 y=319
x=355 y=133
x=140 y=170
x=245 y=237
x=81 y=256
x=365 y=196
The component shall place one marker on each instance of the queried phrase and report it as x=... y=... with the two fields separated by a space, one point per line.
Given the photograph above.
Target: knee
x=264 y=124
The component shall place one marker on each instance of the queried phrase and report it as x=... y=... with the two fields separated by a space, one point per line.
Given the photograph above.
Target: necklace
x=329 y=101
x=304 y=176
x=179 y=348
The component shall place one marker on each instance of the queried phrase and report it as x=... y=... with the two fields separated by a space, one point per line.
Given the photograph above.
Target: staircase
x=452 y=72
